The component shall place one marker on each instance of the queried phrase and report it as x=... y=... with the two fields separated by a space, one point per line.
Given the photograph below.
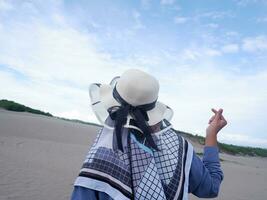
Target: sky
x=205 y=53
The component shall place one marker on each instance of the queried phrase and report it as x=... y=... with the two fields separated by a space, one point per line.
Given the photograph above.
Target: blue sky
x=205 y=53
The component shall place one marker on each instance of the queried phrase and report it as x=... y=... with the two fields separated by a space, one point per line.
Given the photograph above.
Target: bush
x=241 y=150
x=227 y=148
x=13 y=106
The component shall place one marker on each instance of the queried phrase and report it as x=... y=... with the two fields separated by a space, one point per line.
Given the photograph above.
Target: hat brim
x=102 y=99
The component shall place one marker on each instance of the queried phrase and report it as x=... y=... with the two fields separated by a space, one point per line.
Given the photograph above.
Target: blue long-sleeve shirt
x=204 y=179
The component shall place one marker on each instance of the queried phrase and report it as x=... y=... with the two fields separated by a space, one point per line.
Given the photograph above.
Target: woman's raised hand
x=216 y=122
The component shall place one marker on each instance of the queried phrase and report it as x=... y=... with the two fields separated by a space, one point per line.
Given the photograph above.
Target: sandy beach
x=40 y=158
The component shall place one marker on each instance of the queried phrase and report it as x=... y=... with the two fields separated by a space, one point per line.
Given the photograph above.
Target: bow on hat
x=139 y=113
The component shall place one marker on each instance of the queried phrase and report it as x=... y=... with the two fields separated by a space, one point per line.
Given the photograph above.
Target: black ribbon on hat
x=139 y=113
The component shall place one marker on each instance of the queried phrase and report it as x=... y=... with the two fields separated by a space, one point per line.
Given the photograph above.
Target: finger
x=213 y=110
x=218 y=114
x=211 y=119
x=222 y=117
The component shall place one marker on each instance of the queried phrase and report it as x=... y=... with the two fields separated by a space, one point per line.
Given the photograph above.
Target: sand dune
x=40 y=157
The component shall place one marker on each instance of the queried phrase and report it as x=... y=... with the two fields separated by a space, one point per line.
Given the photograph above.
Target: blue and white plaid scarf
x=139 y=172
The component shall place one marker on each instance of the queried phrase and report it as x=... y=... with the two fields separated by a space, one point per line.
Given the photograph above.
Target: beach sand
x=41 y=156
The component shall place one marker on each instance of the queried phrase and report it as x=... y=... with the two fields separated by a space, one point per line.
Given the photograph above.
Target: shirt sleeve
x=206 y=174
x=82 y=193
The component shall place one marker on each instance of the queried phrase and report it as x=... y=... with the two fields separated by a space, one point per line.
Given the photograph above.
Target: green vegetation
x=227 y=148
x=241 y=150
x=13 y=106
x=195 y=138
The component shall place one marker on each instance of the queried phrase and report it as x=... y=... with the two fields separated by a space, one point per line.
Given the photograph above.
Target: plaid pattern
x=138 y=173
x=150 y=185
x=104 y=160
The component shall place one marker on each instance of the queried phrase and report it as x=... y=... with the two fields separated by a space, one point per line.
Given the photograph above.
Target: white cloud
x=138 y=23
x=194 y=91
x=215 y=15
x=146 y=3
x=247 y=2
x=199 y=52
x=58 y=99
x=167 y=2
x=58 y=61
x=190 y=54
x=211 y=52
x=49 y=53
x=232 y=33
x=212 y=25
x=180 y=20
x=255 y=44
x=262 y=19
x=5 y=5
x=230 y=48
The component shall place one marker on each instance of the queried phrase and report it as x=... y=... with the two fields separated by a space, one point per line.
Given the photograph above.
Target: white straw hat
x=135 y=87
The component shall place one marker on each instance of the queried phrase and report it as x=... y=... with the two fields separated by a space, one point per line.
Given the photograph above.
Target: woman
x=137 y=153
